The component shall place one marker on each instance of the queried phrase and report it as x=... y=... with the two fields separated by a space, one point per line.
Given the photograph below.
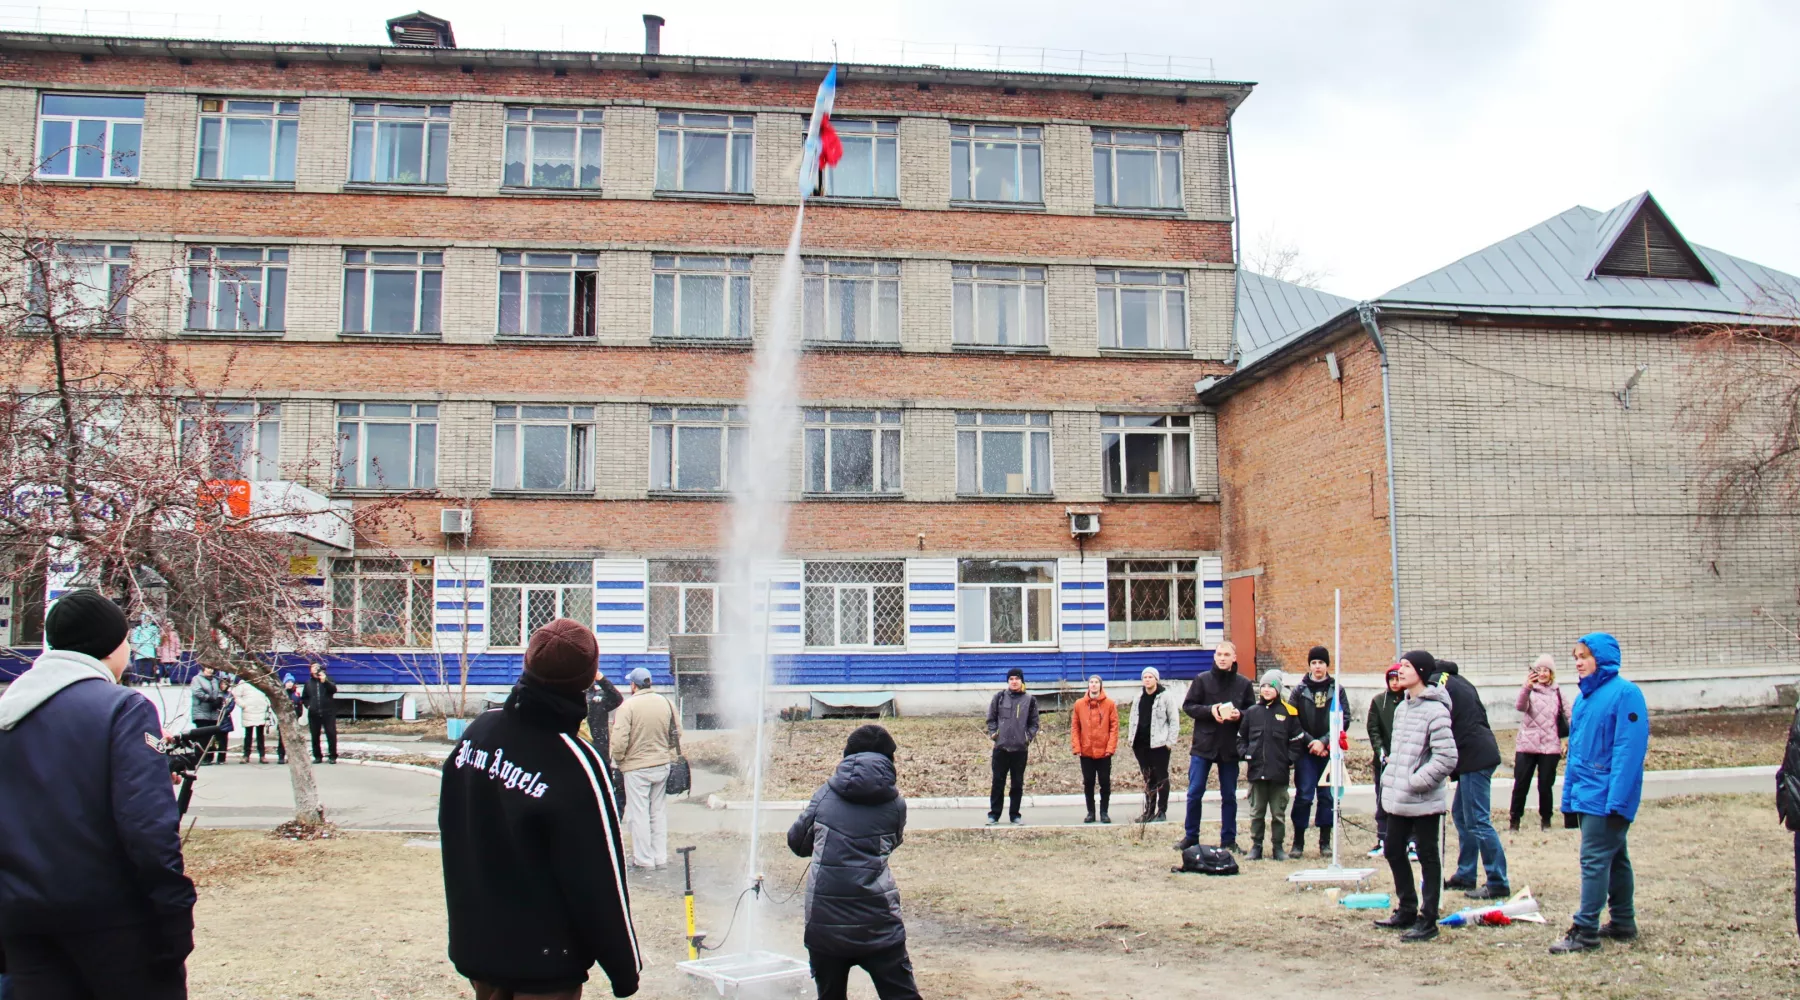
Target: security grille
x=1152 y=601
x=684 y=599
x=382 y=602
x=856 y=603
x=526 y=594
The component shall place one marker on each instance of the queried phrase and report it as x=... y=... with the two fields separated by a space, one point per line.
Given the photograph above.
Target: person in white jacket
x=255 y=715
x=1155 y=723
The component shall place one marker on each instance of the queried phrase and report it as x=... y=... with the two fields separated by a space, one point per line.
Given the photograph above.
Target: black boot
x=1255 y=852
x=1090 y=817
x=1545 y=824
x=1514 y=825
x=1398 y=919
x=1299 y=847
x=1424 y=930
x=1104 y=818
x=1324 y=841
x=1619 y=931
x=1578 y=939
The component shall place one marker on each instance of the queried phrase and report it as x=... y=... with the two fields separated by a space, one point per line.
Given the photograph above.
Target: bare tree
x=1274 y=257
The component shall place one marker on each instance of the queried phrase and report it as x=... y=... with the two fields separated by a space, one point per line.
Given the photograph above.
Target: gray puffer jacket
x=852 y=824
x=1422 y=758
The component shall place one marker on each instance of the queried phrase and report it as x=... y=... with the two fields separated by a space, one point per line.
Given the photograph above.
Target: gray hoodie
x=1422 y=757
x=50 y=673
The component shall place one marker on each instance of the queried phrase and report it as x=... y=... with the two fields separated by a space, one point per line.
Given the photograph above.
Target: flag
x=831 y=148
x=823 y=147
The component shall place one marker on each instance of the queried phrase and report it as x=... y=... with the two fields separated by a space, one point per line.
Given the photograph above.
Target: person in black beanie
x=531 y=844
x=851 y=825
x=1313 y=696
x=95 y=901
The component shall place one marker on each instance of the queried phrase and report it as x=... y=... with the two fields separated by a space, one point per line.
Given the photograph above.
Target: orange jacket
x=1094 y=726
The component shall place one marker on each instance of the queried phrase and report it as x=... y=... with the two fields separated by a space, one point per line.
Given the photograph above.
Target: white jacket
x=253 y=705
x=1165 y=716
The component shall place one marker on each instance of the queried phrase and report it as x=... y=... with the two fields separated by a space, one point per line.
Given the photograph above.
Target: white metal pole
x=1336 y=715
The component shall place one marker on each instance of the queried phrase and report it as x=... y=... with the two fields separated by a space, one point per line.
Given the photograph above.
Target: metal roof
x=1270 y=312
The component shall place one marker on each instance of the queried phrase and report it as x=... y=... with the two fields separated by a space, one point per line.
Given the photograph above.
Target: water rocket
x=823 y=148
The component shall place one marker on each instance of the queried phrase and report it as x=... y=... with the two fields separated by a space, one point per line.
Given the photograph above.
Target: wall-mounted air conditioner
x=456 y=520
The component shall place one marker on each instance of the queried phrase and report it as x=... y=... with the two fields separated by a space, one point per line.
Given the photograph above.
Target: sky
x=1383 y=140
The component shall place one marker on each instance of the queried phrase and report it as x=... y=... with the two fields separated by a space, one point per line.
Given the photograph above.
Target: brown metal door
x=1240 y=603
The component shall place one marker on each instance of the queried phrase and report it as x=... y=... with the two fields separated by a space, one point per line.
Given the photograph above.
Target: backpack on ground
x=1203 y=860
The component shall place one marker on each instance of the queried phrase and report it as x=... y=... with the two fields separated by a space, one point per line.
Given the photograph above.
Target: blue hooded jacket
x=1609 y=733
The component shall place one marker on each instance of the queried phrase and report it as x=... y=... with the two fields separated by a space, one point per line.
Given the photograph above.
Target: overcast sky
x=1383 y=139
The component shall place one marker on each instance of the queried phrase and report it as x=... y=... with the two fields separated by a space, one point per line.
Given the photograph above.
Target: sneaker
x=1186 y=842
x=1018 y=821
x=993 y=821
x=1618 y=931
x=1490 y=891
x=1377 y=851
x=1412 y=853
x=1161 y=817
x=1576 y=940
x=1424 y=930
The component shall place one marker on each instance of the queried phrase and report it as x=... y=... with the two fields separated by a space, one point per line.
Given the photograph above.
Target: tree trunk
x=307 y=808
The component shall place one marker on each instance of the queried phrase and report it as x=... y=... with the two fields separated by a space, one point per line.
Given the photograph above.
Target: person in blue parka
x=1609 y=733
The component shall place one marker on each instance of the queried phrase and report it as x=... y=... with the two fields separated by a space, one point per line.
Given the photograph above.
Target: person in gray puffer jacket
x=852 y=824
x=1412 y=790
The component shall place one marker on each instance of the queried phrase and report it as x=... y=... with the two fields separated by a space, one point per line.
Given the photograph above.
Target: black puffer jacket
x=852 y=824
x=1787 y=779
x=1271 y=739
x=1213 y=739
x=1476 y=748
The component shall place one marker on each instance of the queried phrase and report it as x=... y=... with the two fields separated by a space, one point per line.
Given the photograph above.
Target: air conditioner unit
x=456 y=520
x=1084 y=524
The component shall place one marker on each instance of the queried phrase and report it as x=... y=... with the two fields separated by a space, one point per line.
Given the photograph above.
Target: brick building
x=1543 y=484
x=530 y=282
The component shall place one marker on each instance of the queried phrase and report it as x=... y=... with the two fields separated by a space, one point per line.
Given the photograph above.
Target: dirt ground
x=1012 y=914
x=944 y=756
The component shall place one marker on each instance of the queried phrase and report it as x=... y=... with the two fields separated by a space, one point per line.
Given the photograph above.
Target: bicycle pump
x=687 y=899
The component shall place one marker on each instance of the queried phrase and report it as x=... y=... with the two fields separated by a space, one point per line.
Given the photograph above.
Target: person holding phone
x=1543 y=719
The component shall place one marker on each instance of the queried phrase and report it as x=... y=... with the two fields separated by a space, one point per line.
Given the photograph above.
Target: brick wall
x=18 y=133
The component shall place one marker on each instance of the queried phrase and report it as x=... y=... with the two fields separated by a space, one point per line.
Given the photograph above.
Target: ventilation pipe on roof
x=653 y=34
x=1365 y=311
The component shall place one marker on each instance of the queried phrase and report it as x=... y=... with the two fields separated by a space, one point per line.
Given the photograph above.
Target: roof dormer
x=420 y=30
x=1637 y=240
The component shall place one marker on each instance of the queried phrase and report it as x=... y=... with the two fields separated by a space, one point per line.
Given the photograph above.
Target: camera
x=184 y=751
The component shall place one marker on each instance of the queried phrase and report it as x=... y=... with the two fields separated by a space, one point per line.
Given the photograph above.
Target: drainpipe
x=1366 y=312
x=1237 y=240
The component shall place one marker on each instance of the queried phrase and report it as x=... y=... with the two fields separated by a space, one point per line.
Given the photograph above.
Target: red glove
x=1343 y=739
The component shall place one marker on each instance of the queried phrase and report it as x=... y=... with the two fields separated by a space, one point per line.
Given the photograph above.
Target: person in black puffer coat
x=1313 y=697
x=852 y=824
x=1270 y=740
x=1477 y=755
x=1787 y=802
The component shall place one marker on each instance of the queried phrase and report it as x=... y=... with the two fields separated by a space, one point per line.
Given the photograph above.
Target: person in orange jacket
x=1094 y=736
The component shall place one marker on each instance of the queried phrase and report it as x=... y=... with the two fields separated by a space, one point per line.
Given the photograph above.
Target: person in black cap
x=95 y=902
x=534 y=866
x=1012 y=723
x=1313 y=696
x=854 y=821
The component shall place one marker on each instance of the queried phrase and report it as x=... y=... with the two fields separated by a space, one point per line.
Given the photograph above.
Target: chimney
x=652 y=35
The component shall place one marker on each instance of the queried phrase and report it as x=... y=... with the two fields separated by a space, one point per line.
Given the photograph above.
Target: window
x=696 y=448
x=852 y=451
x=1142 y=309
x=1152 y=600
x=387 y=446
x=553 y=148
x=524 y=595
x=393 y=291
x=1137 y=169
x=998 y=306
x=685 y=599
x=852 y=301
x=241 y=440
x=709 y=153
x=1005 y=602
x=548 y=294
x=1146 y=454
x=997 y=163
x=856 y=603
x=399 y=143
x=248 y=140
x=547 y=448
x=382 y=602
x=87 y=136
x=237 y=288
x=79 y=285
x=701 y=298
x=870 y=167
x=1000 y=454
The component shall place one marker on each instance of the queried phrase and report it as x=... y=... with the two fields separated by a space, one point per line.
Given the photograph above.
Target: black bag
x=1203 y=860
x=681 y=776
x=1562 y=717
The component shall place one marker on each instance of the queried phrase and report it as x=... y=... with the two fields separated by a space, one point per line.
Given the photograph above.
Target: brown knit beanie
x=563 y=655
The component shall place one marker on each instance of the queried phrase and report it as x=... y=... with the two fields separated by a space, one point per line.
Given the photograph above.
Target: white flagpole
x=1337 y=721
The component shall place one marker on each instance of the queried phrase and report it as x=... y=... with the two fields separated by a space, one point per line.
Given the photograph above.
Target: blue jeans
x=1198 y=768
x=1605 y=874
x=1476 y=838
x=1309 y=770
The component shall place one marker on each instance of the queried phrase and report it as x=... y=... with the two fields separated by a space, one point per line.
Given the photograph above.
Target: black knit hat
x=84 y=621
x=1319 y=653
x=1016 y=672
x=563 y=655
x=1423 y=662
x=871 y=739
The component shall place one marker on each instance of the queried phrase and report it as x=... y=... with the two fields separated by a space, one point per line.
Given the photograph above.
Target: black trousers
x=1544 y=766
x=1008 y=764
x=891 y=971
x=256 y=733
x=1092 y=769
x=328 y=723
x=1423 y=831
x=112 y=963
x=1154 y=763
x=214 y=749
x=1381 y=814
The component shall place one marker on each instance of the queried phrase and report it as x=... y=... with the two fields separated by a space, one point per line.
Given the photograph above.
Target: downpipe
x=1367 y=314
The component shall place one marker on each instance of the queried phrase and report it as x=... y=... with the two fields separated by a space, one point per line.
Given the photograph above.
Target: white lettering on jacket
x=498 y=768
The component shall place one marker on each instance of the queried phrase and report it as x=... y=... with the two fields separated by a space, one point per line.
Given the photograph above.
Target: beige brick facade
x=465 y=447
x=1210 y=305
x=477 y=147
x=324 y=161
x=926 y=323
x=18 y=132
x=628 y=156
x=1206 y=173
x=315 y=292
x=928 y=443
x=471 y=295
x=1069 y=169
x=622 y=462
x=1072 y=315
x=171 y=129
x=777 y=158
x=924 y=163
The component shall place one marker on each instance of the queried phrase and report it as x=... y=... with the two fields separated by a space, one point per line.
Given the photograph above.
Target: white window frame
x=510 y=422
x=79 y=300
x=667 y=424
x=525 y=270
x=1027 y=180
x=1177 y=433
x=524 y=128
x=354 y=471
x=219 y=115
x=882 y=136
x=574 y=597
x=982 y=291
x=378 y=118
x=1166 y=150
x=227 y=281
x=1123 y=576
x=427 y=266
x=416 y=612
x=673 y=130
x=868 y=289
x=116 y=163
x=976 y=595
x=261 y=461
x=681 y=591
x=823 y=430
x=975 y=429
x=834 y=592
x=1169 y=291
x=671 y=276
